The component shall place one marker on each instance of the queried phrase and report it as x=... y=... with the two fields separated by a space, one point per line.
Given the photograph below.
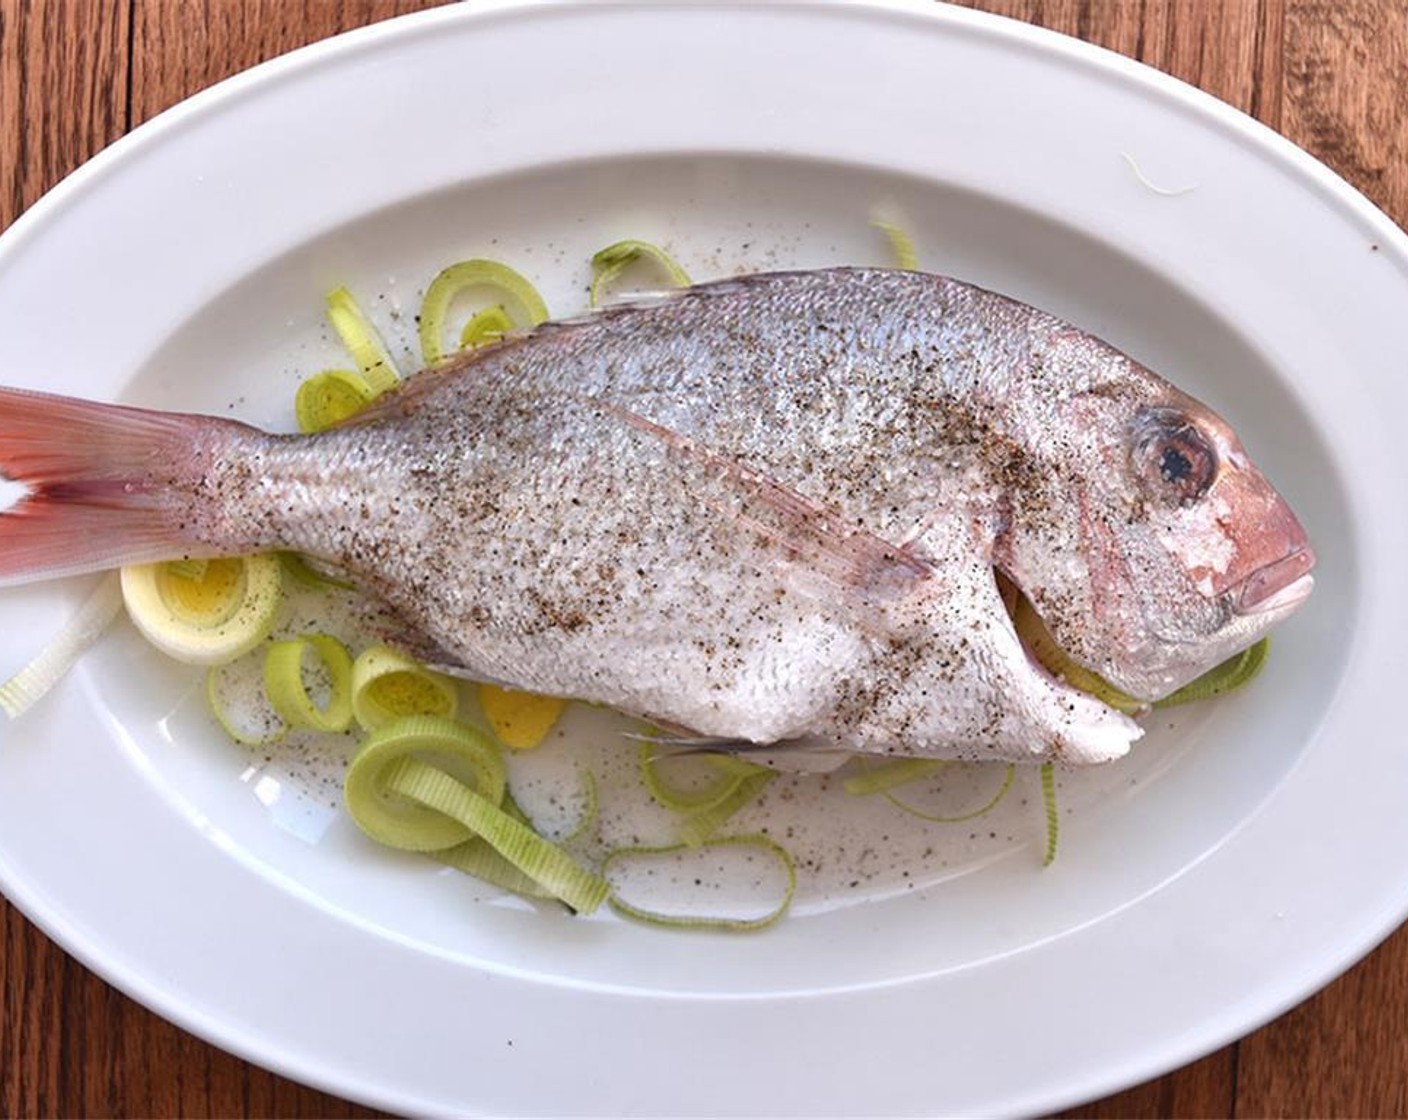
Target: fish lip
x=1285 y=599
x=1279 y=585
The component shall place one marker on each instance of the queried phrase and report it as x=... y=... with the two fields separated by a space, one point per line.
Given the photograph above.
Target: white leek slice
x=23 y=690
x=215 y=618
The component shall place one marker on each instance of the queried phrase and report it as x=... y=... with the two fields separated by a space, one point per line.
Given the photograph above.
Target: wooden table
x=77 y=74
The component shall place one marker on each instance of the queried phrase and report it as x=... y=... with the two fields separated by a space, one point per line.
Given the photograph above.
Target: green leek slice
x=392 y=819
x=987 y=806
x=900 y=244
x=519 y=301
x=699 y=826
x=387 y=686
x=330 y=397
x=288 y=692
x=475 y=857
x=224 y=613
x=1231 y=674
x=690 y=921
x=609 y=263
x=1032 y=630
x=541 y=860
x=22 y=691
x=298 y=567
x=1053 y=817
x=885 y=776
x=706 y=807
x=731 y=772
x=263 y=729
x=363 y=342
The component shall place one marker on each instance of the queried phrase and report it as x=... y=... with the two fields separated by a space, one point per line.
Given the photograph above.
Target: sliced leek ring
x=699 y=826
x=225 y=612
x=885 y=776
x=517 y=302
x=24 y=689
x=1053 y=815
x=1232 y=674
x=485 y=327
x=363 y=341
x=252 y=727
x=957 y=818
x=900 y=244
x=608 y=264
x=756 y=841
x=1059 y=663
x=288 y=693
x=539 y=859
x=387 y=686
x=403 y=822
x=330 y=397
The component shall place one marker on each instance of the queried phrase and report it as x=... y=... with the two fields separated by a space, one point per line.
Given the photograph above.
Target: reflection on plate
x=1183 y=909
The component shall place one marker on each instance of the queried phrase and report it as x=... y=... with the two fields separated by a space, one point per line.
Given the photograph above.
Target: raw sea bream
x=766 y=510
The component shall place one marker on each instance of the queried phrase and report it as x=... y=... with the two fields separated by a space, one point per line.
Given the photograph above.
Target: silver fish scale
x=693 y=511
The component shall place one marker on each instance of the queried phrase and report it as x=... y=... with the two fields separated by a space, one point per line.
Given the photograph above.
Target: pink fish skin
x=765 y=510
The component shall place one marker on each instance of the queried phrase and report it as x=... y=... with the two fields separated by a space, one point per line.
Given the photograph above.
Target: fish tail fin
x=101 y=485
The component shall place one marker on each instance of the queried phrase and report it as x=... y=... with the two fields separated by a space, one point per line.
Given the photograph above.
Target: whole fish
x=766 y=510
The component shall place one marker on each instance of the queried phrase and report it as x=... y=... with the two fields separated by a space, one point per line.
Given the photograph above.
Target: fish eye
x=1175 y=463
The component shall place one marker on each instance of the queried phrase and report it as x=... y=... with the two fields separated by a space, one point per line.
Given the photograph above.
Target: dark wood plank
x=1346 y=91
x=182 y=46
x=63 y=91
x=1343 y=1053
x=63 y=97
x=70 y=1045
x=1230 y=48
x=1332 y=75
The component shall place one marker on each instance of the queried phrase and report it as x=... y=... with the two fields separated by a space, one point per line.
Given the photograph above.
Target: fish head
x=1179 y=552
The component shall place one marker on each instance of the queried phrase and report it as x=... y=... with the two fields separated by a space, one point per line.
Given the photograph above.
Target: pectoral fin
x=805 y=532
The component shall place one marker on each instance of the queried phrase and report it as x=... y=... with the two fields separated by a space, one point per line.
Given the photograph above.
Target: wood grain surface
x=76 y=74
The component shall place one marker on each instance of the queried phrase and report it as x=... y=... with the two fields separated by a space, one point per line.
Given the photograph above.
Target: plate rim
x=377 y=36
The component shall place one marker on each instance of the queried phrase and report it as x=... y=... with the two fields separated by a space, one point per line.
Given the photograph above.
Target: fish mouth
x=1281 y=585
